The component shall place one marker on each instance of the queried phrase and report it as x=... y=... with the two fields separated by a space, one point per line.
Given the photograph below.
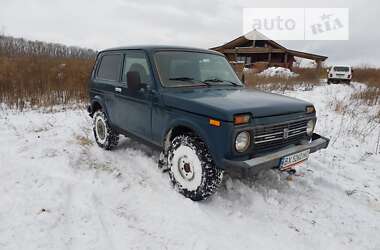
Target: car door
x=134 y=108
x=107 y=78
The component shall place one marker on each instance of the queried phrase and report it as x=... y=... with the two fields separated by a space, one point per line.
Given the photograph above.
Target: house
x=259 y=52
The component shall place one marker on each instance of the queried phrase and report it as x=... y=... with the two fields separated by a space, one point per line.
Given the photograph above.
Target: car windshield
x=183 y=68
x=341 y=69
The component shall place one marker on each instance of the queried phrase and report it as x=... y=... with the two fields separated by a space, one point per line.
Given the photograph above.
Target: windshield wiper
x=184 y=79
x=187 y=79
x=220 y=80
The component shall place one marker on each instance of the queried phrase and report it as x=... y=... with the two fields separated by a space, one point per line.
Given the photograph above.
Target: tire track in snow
x=67 y=215
x=97 y=207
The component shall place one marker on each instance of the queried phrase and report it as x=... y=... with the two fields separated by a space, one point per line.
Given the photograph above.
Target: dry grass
x=84 y=140
x=367 y=75
x=306 y=78
x=43 y=81
x=339 y=106
x=369 y=96
x=371 y=77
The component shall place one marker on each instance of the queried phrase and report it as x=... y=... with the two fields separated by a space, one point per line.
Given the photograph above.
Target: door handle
x=117 y=89
x=153 y=95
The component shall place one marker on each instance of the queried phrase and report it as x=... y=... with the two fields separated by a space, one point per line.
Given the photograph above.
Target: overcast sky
x=100 y=24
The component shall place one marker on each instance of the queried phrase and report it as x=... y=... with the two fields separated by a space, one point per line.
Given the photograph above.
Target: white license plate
x=291 y=160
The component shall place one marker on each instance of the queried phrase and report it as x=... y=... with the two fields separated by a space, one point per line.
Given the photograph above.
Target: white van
x=339 y=74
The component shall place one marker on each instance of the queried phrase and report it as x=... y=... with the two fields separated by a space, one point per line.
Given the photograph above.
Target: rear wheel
x=105 y=136
x=192 y=169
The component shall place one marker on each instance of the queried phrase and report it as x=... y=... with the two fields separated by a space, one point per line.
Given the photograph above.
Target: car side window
x=136 y=61
x=110 y=66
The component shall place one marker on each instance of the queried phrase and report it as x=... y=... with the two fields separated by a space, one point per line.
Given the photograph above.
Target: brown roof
x=234 y=45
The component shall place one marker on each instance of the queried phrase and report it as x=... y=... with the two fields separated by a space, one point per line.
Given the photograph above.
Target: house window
x=260 y=44
x=242 y=58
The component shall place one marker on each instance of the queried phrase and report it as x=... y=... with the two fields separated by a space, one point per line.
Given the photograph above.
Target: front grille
x=270 y=137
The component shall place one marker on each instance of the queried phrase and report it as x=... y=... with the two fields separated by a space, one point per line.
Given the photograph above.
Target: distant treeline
x=10 y=46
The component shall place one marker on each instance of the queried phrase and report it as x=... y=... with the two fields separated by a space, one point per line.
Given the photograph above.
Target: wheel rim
x=186 y=168
x=100 y=129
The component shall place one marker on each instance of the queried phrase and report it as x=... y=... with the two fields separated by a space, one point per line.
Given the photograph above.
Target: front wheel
x=192 y=169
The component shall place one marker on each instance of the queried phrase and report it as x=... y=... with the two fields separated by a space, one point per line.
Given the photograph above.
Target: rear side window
x=109 y=68
x=341 y=69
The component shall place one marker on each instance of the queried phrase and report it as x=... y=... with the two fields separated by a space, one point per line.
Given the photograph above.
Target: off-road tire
x=111 y=138
x=210 y=177
x=163 y=161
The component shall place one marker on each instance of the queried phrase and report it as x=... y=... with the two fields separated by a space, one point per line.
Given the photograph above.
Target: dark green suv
x=189 y=104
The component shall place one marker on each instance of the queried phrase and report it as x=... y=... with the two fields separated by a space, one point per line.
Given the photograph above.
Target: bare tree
x=18 y=46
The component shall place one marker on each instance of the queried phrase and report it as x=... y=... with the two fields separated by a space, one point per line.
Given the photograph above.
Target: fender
x=194 y=126
x=97 y=100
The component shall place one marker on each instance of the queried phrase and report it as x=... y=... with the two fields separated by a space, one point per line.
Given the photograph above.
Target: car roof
x=154 y=48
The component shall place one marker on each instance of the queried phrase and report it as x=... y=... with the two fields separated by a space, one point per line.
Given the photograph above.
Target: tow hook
x=292 y=171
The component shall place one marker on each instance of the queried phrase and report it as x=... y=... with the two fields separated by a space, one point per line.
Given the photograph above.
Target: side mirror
x=133 y=81
x=327 y=70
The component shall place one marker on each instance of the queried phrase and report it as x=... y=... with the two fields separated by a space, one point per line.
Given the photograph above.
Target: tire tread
x=211 y=176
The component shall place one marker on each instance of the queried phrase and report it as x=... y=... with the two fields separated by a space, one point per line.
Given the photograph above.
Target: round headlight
x=310 y=127
x=242 y=141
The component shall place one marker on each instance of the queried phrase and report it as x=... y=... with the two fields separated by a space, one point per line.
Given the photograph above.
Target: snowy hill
x=58 y=190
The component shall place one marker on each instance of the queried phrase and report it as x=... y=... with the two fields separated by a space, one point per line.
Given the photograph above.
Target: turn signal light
x=241 y=119
x=214 y=122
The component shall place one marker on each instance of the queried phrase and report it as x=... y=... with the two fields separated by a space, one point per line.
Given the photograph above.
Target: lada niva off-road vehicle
x=190 y=104
x=339 y=74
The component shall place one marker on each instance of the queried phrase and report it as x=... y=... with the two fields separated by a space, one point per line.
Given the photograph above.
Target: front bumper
x=272 y=160
x=339 y=79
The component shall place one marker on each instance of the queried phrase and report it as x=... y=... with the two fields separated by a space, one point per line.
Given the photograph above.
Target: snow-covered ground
x=277 y=72
x=58 y=190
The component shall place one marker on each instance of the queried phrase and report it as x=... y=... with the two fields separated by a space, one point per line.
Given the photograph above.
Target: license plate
x=291 y=160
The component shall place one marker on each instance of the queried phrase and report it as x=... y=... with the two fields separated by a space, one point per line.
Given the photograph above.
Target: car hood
x=224 y=103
